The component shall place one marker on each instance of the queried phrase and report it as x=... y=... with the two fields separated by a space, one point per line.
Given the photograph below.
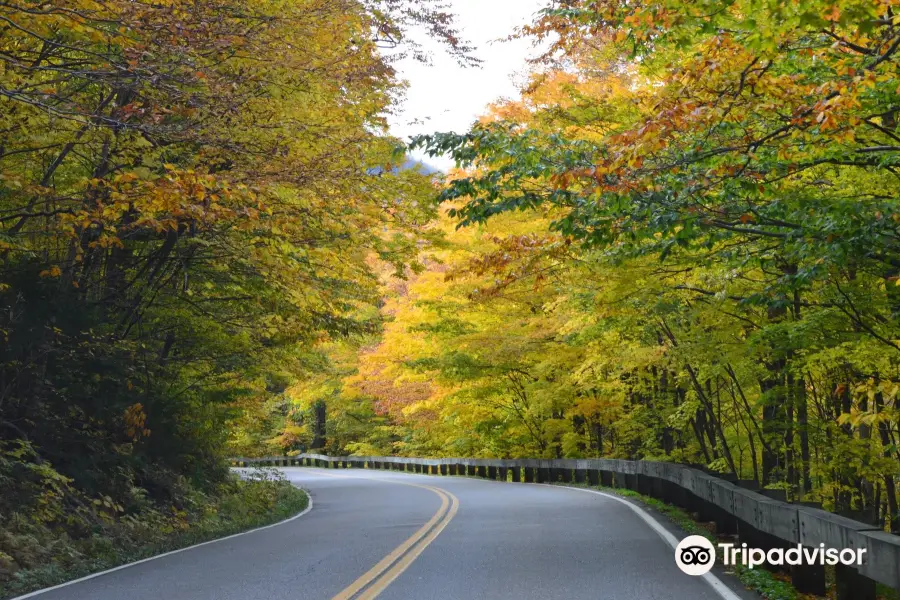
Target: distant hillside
x=420 y=166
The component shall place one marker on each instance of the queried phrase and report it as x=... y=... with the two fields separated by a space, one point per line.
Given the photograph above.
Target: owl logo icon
x=695 y=555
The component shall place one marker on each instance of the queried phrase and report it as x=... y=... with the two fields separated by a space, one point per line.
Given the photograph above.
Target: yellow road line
x=403 y=564
x=391 y=566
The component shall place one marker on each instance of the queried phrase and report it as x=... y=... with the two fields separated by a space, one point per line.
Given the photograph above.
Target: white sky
x=444 y=96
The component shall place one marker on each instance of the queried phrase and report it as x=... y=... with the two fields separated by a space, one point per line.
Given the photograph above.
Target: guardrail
x=759 y=520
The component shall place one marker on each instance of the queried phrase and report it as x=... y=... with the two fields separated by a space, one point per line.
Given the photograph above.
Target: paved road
x=399 y=536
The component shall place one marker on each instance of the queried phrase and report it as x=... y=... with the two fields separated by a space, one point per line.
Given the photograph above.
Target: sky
x=444 y=96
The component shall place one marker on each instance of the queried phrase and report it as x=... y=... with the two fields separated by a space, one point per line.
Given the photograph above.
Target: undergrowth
x=35 y=554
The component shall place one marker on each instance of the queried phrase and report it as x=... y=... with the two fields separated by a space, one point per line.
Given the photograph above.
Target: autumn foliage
x=191 y=195
x=681 y=243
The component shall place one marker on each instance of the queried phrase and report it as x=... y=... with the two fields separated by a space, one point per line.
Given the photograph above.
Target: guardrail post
x=503 y=473
x=580 y=475
x=606 y=478
x=643 y=484
x=564 y=475
x=543 y=474
x=530 y=474
x=675 y=494
x=481 y=471
x=593 y=477
x=809 y=579
x=516 y=473
x=492 y=472
x=851 y=585
x=631 y=482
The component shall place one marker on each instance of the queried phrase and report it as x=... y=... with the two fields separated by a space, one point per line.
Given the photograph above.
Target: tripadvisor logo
x=695 y=555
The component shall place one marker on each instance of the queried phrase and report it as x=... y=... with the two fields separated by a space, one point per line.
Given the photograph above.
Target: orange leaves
x=53 y=271
x=135 y=422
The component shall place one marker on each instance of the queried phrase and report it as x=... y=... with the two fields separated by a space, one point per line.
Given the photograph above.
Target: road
x=398 y=536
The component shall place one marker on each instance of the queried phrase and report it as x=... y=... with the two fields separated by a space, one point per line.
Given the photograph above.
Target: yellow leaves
x=108 y=503
x=107 y=241
x=53 y=271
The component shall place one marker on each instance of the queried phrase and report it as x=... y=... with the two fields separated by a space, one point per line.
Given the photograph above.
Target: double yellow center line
x=375 y=580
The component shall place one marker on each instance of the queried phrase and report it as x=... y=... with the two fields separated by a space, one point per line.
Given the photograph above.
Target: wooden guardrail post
x=561 y=474
x=816 y=527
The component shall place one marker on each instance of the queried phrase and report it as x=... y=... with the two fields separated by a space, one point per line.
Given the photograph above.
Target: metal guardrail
x=759 y=520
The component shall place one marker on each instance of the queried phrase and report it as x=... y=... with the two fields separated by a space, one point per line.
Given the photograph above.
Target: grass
x=262 y=499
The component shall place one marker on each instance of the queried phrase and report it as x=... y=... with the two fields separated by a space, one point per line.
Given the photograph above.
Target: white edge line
x=170 y=553
x=715 y=583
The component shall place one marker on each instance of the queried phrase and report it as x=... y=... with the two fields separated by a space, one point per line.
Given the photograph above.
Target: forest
x=679 y=243
x=192 y=194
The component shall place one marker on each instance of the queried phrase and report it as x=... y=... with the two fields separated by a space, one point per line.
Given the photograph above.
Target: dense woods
x=680 y=243
x=191 y=193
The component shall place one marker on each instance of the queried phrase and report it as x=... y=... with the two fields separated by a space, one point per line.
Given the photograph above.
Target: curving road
x=398 y=536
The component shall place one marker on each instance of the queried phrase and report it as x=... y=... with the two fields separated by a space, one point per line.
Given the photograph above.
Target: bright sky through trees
x=445 y=96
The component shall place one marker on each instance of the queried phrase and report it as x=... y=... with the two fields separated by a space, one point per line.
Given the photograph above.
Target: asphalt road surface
x=398 y=536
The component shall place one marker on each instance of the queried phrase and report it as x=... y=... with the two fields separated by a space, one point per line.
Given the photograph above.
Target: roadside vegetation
x=56 y=544
x=193 y=199
x=680 y=243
